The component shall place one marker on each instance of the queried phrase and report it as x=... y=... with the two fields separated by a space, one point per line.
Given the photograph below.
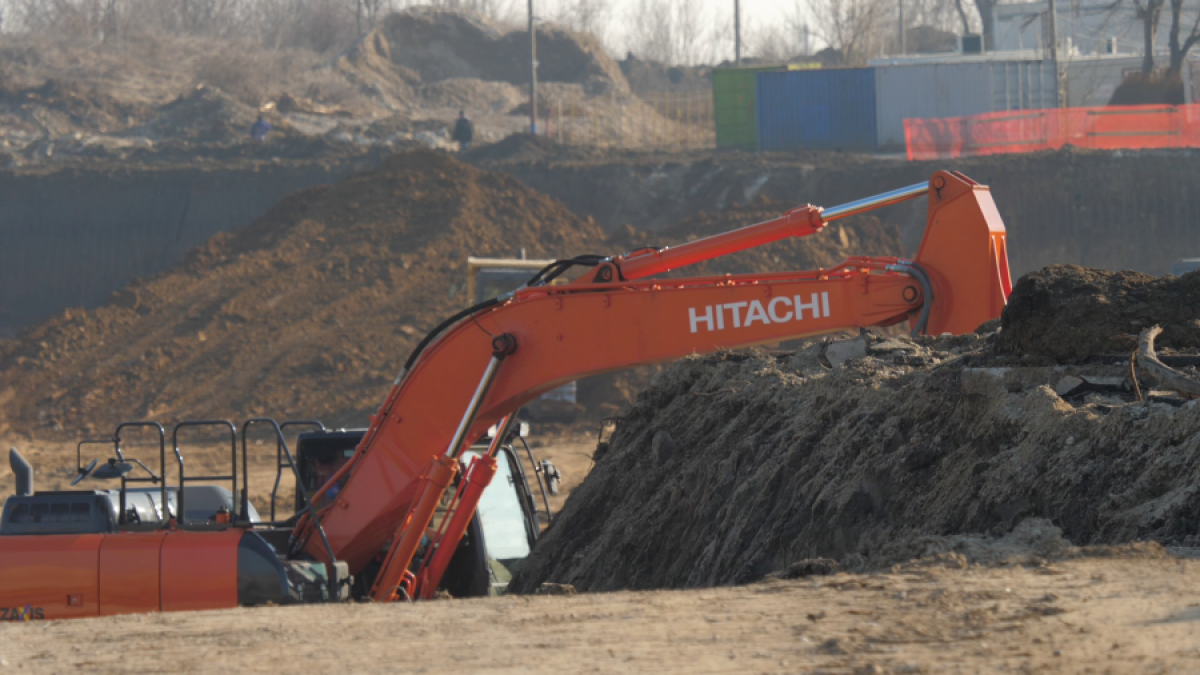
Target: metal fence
x=664 y=120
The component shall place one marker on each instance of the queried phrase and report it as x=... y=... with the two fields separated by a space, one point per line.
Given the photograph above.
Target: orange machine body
x=62 y=576
x=609 y=319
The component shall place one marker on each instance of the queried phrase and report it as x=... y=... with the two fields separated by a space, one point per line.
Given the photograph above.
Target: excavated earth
x=860 y=453
x=1068 y=313
x=307 y=312
x=311 y=310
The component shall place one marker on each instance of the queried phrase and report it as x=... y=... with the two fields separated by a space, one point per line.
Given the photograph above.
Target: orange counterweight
x=69 y=576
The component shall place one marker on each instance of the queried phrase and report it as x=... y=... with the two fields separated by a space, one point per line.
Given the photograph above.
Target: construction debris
x=1164 y=375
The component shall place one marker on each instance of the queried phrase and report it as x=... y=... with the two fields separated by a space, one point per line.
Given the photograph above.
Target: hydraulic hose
x=915 y=271
x=545 y=275
x=556 y=268
x=443 y=326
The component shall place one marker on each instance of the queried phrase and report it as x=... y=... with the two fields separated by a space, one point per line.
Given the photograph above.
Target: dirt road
x=1135 y=612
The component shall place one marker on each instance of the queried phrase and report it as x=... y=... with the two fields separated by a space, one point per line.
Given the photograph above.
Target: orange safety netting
x=1108 y=128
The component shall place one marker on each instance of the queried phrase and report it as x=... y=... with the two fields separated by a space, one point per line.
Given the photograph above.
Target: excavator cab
x=499 y=537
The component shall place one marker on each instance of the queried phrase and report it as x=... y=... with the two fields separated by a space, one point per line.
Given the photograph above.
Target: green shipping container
x=734 y=113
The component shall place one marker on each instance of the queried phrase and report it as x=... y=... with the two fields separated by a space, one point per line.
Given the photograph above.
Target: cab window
x=502 y=517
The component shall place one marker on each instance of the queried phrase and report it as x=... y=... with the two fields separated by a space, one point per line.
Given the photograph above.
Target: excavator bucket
x=964 y=254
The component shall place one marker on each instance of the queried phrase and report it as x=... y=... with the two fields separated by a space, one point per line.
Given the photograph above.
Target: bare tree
x=692 y=40
x=781 y=40
x=585 y=16
x=1148 y=12
x=673 y=32
x=650 y=31
x=853 y=27
x=1179 y=50
x=937 y=14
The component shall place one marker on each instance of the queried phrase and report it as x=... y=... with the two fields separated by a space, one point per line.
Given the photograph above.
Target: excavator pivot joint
x=504 y=345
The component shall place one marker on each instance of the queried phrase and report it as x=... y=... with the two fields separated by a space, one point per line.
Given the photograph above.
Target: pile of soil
x=204 y=114
x=61 y=108
x=472 y=95
x=736 y=465
x=310 y=311
x=1067 y=313
x=438 y=44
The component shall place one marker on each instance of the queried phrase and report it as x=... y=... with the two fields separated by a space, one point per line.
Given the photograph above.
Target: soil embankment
x=736 y=465
x=310 y=311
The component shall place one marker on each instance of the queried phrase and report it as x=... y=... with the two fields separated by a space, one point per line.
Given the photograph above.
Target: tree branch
x=1164 y=375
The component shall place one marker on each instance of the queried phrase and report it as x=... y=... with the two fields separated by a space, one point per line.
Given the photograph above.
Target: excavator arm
x=490 y=360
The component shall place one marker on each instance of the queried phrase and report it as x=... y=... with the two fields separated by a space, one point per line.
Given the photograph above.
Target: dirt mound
x=471 y=95
x=736 y=465
x=516 y=148
x=307 y=312
x=438 y=44
x=63 y=107
x=1067 y=313
x=203 y=114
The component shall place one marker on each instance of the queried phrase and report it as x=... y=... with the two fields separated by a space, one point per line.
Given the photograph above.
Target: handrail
x=162 y=466
x=312 y=513
x=279 y=458
x=181 y=513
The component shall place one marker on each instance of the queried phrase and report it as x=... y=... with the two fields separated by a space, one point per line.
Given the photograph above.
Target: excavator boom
x=615 y=317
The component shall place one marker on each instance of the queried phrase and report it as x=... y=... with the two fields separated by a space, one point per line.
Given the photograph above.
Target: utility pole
x=903 y=37
x=737 y=33
x=533 y=64
x=1053 y=32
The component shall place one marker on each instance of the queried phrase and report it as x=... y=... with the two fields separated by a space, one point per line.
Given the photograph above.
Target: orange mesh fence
x=1109 y=128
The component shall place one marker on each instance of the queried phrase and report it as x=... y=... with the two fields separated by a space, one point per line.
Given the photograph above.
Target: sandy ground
x=1133 y=613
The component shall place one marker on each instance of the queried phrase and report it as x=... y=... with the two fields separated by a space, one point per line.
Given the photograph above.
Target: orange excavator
x=392 y=519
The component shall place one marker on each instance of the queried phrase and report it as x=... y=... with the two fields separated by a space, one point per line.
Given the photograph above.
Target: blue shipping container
x=817 y=109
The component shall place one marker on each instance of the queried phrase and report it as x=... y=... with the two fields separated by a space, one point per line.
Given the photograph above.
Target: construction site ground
x=1120 y=609
x=1125 y=610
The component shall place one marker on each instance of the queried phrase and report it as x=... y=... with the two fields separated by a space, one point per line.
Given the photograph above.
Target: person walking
x=259 y=130
x=464 y=131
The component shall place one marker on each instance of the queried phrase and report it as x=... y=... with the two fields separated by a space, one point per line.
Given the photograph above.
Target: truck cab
x=497 y=541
